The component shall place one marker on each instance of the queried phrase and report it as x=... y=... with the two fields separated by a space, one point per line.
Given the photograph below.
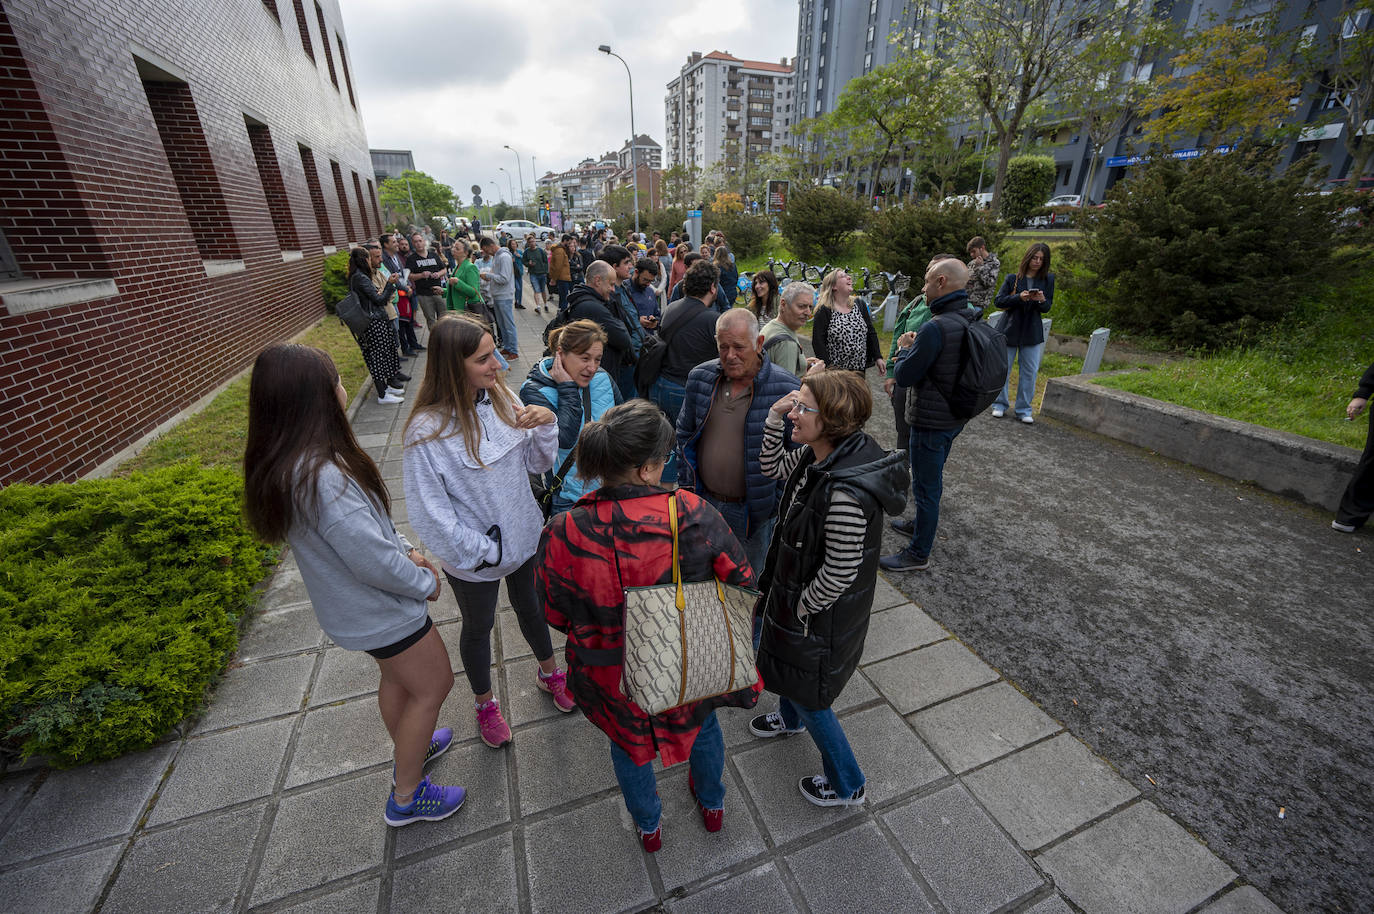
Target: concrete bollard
x=1097 y=348
x=1046 y=322
x=889 y=312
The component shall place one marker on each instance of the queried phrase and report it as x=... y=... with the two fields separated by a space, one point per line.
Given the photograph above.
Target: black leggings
x=477 y=604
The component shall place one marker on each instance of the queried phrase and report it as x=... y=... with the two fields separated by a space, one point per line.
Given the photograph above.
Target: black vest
x=811 y=663
x=926 y=407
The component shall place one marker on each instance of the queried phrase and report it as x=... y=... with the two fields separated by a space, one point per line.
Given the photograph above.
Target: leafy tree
x=724 y=204
x=820 y=221
x=619 y=203
x=744 y=233
x=431 y=197
x=1344 y=65
x=679 y=185
x=1203 y=252
x=1016 y=52
x=1029 y=182
x=1226 y=84
x=904 y=238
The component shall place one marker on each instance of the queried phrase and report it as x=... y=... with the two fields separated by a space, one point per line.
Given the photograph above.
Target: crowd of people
x=665 y=433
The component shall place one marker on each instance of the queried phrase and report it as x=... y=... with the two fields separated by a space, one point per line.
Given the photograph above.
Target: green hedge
x=334 y=284
x=119 y=602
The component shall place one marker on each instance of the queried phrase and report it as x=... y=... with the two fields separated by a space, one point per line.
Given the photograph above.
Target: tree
x=903 y=238
x=1344 y=64
x=1030 y=180
x=820 y=221
x=746 y=235
x=679 y=185
x=431 y=197
x=619 y=203
x=724 y=204
x=1227 y=83
x=1015 y=52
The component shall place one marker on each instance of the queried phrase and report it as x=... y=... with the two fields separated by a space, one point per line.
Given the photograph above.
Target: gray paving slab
x=399 y=514
x=373 y=427
x=360 y=897
x=759 y=891
x=690 y=853
x=561 y=760
x=12 y=789
x=343 y=674
x=857 y=691
x=222 y=769
x=373 y=439
x=856 y=870
x=972 y=866
x=1138 y=861
x=513 y=641
x=1047 y=790
x=255 y=691
x=893 y=758
x=1052 y=905
x=898 y=630
x=1244 y=900
x=885 y=595
x=524 y=701
x=193 y=867
x=60 y=886
x=920 y=678
x=480 y=770
x=287 y=589
x=337 y=739
x=599 y=872
x=322 y=835
x=771 y=772
x=393 y=473
x=474 y=877
x=734 y=722
x=983 y=725
x=278 y=633
x=112 y=797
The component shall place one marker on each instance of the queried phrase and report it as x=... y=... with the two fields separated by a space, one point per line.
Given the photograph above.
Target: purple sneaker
x=430 y=803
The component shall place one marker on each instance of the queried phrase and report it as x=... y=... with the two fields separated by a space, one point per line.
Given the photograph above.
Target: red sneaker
x=713 y=819
x=652 y=841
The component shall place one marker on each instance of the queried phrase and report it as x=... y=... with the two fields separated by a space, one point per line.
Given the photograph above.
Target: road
x=1212 y=641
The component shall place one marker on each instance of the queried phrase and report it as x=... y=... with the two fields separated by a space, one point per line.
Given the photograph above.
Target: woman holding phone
x=1025 y=295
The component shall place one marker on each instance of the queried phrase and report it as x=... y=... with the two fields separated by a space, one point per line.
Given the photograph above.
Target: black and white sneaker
x=817 y=790
x=770 y=725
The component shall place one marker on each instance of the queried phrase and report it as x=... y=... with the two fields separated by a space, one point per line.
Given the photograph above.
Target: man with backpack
x=950 y=366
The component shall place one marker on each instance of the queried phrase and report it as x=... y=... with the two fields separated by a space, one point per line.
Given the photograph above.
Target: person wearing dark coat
x=378 y=341
x=1357 y=504
x=1024 y=296
x=593 y=300
x=822 y=566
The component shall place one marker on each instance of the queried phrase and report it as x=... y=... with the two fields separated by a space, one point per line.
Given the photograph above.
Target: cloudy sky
x=529 y=74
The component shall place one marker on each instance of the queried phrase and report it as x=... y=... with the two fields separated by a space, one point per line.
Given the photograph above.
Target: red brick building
x=172 y=175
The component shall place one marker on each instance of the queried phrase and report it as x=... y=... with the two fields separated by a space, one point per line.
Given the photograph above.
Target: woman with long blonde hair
x=843 y=331
x=469 y=444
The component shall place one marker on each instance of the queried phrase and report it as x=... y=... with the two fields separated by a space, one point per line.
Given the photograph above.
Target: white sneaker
x=1028 y=420
x=1344 y=528
x=998 y=413
x=389 y=398
x=394 y=389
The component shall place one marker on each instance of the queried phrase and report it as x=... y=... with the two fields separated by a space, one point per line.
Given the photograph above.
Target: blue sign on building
x=694 y=214
x=1121 y=161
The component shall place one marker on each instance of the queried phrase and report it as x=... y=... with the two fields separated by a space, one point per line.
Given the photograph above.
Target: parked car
x=519 y=228
x=1066 y=200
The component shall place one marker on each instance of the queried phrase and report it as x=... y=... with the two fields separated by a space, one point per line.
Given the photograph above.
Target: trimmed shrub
x=663 y=221
x=1204 y=252
x=119 y=600
x=906 y=237
x=820 y=222
x=1029 y=183
x=745 y=234
x=334 y=285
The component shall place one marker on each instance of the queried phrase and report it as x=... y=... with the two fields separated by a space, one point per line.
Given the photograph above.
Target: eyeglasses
x=802 y=409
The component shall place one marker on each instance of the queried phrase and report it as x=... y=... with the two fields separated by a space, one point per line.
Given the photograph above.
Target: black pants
x=408 y=341
x=1357 y=504
x=899 y=414
x=477 y=605
x=379 y=352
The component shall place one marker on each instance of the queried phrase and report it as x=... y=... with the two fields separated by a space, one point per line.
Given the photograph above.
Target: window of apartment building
x=348 y=78
x=324 y=39
x=312 y=182
x=304 y=25
x=869 y=39
x=868 y=61
x=188 y=157
x=273 y=187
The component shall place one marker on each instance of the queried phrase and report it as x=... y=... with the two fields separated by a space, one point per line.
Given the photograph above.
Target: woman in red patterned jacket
x=616 y=537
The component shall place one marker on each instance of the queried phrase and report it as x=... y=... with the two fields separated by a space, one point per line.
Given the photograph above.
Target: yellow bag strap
x=677 y=567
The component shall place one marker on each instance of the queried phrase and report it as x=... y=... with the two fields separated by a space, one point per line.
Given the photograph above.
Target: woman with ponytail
x=619 y=536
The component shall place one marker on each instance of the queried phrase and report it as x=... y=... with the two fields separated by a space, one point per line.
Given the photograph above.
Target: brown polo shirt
x=720 y=449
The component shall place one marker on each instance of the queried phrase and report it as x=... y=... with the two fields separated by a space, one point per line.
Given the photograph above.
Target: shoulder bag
x=545 y=490
x=686 y=642
x=351 y=311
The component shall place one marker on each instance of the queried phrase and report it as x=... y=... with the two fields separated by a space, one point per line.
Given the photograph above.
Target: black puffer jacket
x=810 y=662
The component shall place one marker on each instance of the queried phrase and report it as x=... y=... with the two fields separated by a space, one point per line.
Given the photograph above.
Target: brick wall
x=87 y=191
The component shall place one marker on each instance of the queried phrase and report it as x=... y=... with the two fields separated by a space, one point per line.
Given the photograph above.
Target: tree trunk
x=1003 y=157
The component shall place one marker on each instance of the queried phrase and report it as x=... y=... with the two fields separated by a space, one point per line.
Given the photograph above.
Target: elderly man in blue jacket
x=720 y=430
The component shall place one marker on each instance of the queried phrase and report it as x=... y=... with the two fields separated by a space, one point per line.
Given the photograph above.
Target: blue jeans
x=669 y=396
x=539 y=282
x=564 y=290
x=639 y=787
x=736 y=514
x=519 y=287
x=837 y=759
x=1029 y=357
x=929 y=451
x=505 y=323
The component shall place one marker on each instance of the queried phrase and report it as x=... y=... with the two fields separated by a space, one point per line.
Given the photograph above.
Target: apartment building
x=723 y=109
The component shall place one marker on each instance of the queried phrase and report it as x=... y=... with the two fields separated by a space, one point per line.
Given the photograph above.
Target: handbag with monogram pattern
x=686 y=642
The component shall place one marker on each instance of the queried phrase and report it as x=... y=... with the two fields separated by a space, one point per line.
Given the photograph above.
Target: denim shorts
x=540 y=282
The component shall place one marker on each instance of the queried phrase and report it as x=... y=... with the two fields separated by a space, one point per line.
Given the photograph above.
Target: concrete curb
x=1311 y=471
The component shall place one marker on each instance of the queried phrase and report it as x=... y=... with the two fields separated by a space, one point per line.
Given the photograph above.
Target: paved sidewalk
x=272 y=800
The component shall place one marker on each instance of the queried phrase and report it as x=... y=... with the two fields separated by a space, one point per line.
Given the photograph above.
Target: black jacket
x=810 y=663
x=933 y=363
x=361 y=284
x=1024 y=326
x=583 y=302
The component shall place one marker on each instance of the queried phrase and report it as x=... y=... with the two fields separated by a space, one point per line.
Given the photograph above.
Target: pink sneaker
x=493 y=727
x=556 y=684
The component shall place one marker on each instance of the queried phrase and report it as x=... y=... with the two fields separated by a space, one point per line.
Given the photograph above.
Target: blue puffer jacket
x=770 y=383
x=565 y=400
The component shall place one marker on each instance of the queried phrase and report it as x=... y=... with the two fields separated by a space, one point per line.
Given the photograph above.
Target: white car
x=1066 y=200
x=519 y=228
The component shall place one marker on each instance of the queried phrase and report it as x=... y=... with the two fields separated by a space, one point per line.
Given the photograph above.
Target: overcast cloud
x=528 y=74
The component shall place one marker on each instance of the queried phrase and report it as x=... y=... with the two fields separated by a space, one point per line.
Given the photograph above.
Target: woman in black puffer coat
x=378 y=341
x=822 y=566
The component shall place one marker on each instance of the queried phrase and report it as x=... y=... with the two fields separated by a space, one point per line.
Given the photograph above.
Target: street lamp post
x=634 y=163
x=510 y=184
x=518 y=170
x=490 y=217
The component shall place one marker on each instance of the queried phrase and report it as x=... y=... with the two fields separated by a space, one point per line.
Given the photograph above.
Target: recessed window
x=312 y=181
x=362 y=206
x=324 y=39
x=271 y=6
x=273 y=187
x=348 y=78
x=343 y=200
x=304 y=25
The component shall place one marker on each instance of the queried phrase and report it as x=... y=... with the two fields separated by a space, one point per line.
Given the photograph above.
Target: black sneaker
x=904 y=527
x=817 y=790
x=399 y=376
x=906 y=560
x=418 y=348
x=770 y=725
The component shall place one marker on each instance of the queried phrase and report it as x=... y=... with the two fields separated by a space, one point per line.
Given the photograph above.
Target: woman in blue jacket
x=1025 y=295
x=572 y=383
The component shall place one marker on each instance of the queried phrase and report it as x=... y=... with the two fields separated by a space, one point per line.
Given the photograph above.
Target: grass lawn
x=215 y=435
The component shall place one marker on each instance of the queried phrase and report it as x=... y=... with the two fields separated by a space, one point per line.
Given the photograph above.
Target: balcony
x=732 y=105
x=734 y=91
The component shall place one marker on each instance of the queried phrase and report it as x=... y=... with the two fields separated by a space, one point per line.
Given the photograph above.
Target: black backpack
x=982 y=372
x=563 y=316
